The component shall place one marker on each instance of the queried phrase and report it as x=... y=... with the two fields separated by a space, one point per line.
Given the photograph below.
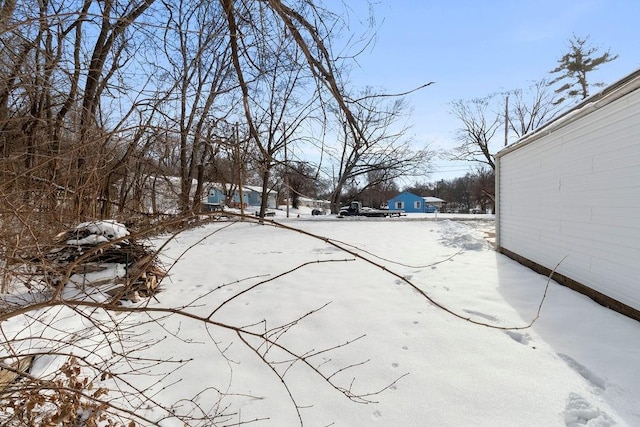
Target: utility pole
x=240 y=170
x=286 y=171
x=506 y=120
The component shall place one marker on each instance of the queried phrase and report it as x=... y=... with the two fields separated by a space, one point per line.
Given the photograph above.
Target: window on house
x=416 y=204
x=399 y=205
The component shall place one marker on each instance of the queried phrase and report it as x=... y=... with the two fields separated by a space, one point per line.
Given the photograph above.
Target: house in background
x=433 y=204
x=161 y=194
x=251 y=195
x=568 y=198
x=323 y=205
x=215 y=199
x=411 y=203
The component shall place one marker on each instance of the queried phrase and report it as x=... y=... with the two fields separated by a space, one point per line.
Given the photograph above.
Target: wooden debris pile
x=13 y=371
x=102 y=254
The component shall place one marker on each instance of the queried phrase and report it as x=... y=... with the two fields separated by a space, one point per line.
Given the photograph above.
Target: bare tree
x=279 y=87
x=463 y=193
x=199 y=70
x=482 y=119
x=379 y=151
x=302 y=179
x=482 y=187
x=532 y=107
x=380 y=191
x=108 y=55
x=479 y=124
x=60 y=67
x=99 y=98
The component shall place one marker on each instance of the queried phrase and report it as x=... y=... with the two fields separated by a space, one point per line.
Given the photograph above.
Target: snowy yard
x=576 y=366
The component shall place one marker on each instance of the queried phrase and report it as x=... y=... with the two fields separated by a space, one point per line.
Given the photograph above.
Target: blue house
x=251 y=195
x=215 y=199
x=412 y=203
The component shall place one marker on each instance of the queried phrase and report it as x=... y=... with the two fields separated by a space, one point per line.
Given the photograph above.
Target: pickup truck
x=356 y=209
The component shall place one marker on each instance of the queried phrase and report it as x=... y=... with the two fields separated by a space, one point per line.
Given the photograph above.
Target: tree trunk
x=265 y=191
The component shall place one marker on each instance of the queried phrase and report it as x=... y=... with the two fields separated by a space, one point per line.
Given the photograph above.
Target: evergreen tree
x=573 y=68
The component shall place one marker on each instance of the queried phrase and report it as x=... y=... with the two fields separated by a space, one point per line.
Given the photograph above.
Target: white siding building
x=569 y=193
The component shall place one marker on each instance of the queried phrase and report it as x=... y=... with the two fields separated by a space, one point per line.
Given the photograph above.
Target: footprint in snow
x=584 y=371
x=579 y=413
x=400 y=281
x=518 y=337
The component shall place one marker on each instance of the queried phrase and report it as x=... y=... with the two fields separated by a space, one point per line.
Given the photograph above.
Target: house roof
x=405 y=193
x=427 y=199
x=609 y=94
x=255 y=188
x=309 y=199
x=221 y=186
x=430 y=199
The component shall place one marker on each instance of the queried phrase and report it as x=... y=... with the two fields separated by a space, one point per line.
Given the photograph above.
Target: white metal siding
x=575 y=193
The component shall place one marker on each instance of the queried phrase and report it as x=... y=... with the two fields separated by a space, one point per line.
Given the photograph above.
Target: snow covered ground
x=379 y=284
x=576 y=366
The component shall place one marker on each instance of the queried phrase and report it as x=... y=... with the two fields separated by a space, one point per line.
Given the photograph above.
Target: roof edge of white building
x=611 y=93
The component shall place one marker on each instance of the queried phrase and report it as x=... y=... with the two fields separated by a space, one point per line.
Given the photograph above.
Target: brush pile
x=102 y=256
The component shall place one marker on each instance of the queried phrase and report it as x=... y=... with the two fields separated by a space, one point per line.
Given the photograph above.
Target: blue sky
x=473 y=48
